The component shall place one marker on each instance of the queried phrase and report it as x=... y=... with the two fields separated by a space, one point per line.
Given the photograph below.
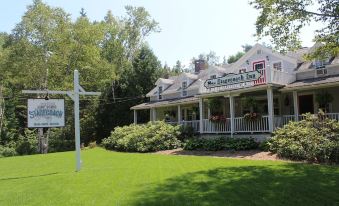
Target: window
x=184 y=93
x=213 y=76
x=319 y=64
x=321 y=71
x=184 y=87
x=242 y=71
x=159 y=92
x=277 y=66
x=259 y=51
x=259 y=66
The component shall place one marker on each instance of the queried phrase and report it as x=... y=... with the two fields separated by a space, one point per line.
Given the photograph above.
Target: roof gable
x=254 y=49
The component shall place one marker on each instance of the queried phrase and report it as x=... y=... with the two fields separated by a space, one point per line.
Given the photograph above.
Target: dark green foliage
x=60 y=140
x=186 y=132
x=221 y=143
x=134 y=84
x=233 y=58
x=6 y=151
x=264 y=146
x=27 y=143
x=111 y=56
x=149 y=137
x=314 y=139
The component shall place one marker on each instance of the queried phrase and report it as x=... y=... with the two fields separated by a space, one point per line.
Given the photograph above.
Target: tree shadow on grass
x=25 y=177
x=290 y=184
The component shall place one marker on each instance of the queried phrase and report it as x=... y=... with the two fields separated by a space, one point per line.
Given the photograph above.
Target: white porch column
x=135 y=116
x=179 y=114
x=201 y=111
x=231 y=98
x=295 y=105
x=150 y=115
x=154 y=115
x=270 y=109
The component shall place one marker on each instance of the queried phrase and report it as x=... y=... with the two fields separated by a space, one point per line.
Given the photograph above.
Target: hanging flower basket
x=252 y=116
x=217 y=118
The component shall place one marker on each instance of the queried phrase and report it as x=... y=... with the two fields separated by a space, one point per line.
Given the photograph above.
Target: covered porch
x=258 y=109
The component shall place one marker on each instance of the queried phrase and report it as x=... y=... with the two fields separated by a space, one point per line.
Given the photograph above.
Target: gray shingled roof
x=173 y=102
x=313 y=81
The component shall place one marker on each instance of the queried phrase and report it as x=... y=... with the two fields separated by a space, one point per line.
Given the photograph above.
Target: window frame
x=184 y=89
x=160 y=90
x=281 y=65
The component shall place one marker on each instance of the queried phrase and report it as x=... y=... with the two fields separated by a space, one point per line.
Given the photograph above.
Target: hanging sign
x=45 y=113
x=232 y=79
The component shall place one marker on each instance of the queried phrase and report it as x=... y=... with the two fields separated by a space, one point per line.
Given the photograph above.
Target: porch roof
x=165 y=103
x=313 y=83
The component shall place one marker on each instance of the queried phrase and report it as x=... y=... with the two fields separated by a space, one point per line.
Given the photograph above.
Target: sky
x=188 y=27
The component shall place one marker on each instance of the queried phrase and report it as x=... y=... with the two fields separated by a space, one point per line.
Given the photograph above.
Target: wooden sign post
x=74 y=95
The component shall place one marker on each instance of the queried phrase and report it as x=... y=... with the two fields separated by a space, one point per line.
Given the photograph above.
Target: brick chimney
x=199 y=65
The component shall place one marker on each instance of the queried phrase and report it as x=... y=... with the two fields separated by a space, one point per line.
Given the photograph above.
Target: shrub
x=186 y=132
x=314 y=139
x=7 y=151
x=60 y=140
x=153 y=136
x=27 y=144
x=220 y=143
x=264 y=145
x=92 y=144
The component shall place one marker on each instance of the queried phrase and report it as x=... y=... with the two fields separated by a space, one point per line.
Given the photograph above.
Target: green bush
x=264 y=145
x=27 y=143
x=143 y=138
x=221 y=143
x=186 y=132
x=92 y=145
x=7 y=151
x=314 y=139
x=60 y=140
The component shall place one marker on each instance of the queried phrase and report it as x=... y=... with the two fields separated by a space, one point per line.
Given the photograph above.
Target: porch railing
x=241 y=125
x=217 y=127
x=259 y=125
x=194 y=124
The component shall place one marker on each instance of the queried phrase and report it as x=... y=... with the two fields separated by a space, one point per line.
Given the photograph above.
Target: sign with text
x=45 y=113
x=232 y=79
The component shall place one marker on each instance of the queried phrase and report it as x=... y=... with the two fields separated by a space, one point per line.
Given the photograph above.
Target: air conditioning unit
x=321 y=71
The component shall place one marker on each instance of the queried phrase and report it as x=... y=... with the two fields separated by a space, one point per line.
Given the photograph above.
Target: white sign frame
x=52 y=117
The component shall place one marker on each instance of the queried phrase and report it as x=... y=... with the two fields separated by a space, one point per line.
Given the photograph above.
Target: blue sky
x=189 y=27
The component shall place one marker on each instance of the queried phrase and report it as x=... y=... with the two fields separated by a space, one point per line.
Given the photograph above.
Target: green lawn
x=112 y=178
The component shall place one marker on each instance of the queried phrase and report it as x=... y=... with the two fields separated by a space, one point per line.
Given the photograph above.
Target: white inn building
x=263 y=90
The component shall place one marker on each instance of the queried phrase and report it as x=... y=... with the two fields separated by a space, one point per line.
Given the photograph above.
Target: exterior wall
x=286 y=66
x=311 y=73
x=334 y=105
x=287 y=104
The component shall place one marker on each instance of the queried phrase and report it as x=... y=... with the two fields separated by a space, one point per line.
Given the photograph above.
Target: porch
x=273 y=108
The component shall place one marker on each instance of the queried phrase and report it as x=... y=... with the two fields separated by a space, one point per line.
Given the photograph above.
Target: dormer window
x=277 y=66
x=319 y=63
x=184 y=87
x=159 y=92
x=213 y=76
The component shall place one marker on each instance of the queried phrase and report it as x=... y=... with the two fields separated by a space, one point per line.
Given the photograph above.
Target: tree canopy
x=111 y=55
x=283 y=21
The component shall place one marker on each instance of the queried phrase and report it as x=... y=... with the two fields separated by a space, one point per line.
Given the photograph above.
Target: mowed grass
x=112 y=178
